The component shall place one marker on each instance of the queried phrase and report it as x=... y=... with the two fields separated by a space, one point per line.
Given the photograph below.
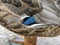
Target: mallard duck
x=12 y=21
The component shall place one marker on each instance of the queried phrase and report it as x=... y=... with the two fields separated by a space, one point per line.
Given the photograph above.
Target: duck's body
x=11 y=20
